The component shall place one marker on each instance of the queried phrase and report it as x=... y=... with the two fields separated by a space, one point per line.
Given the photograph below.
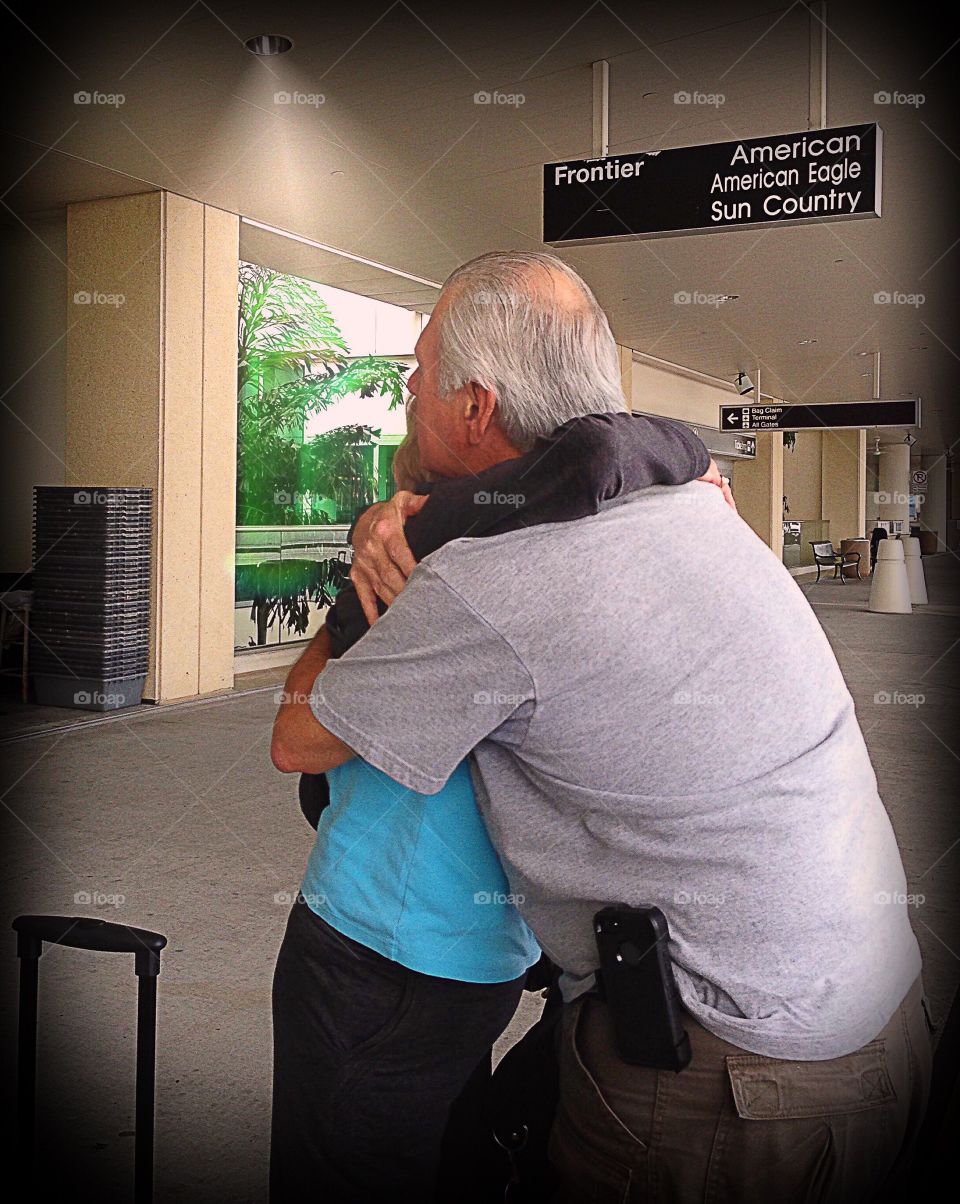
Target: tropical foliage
x=292 y=363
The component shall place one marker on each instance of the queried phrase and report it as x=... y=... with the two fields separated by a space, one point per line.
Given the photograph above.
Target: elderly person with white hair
x=654 y=716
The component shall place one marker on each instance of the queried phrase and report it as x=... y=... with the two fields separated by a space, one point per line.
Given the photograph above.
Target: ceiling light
x=268 y=43
x=807 y=342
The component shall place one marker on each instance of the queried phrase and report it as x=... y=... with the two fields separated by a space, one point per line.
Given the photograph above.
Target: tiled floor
x=173 y=818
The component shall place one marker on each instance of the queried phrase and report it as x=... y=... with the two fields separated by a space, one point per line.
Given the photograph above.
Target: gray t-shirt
x=657 y=718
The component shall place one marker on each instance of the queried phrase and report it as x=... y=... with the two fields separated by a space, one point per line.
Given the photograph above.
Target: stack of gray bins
x=89 y=625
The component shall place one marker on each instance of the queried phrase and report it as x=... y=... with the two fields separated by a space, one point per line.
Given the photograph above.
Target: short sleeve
x=428 y=682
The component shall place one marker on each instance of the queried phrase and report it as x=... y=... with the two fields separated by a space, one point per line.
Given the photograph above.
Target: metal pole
x=601 y=109
x=28 y=950
x=147 y=968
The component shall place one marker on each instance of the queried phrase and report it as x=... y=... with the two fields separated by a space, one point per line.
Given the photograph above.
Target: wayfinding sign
x=784 y=180
x=837 y=415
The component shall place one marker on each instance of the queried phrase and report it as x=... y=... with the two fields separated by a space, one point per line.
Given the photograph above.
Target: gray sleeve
x=423 y=687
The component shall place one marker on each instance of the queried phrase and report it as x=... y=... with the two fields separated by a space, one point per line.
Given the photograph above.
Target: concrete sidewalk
x=173 y=818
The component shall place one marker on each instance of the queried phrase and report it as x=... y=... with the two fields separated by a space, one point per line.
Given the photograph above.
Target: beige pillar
x=933 y=511
x=843 y=480
x=626 y=373
x=151 y=400
x=758 y=489
x=894 y=499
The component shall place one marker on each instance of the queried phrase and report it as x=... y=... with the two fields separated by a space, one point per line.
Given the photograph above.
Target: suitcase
x=86 y=932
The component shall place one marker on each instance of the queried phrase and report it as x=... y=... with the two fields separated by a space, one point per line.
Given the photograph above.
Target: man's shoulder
x=491 y=566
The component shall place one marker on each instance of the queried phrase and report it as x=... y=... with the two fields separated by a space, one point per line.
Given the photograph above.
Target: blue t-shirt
x=415 y=877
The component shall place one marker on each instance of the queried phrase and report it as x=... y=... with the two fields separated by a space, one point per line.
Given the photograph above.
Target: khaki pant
x=737 y=1128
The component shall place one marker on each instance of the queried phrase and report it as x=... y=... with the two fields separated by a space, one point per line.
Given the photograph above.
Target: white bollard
x=890 y=591
x=915 y=578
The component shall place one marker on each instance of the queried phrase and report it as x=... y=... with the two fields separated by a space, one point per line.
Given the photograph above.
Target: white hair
x=510 y=325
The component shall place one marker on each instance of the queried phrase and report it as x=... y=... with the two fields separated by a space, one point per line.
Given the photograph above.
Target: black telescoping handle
x=86 y=932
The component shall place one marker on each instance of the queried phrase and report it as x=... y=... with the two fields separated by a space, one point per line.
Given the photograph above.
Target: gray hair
x=547 y=360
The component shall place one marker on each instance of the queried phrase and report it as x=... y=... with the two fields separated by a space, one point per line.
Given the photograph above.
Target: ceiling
x=398 y=165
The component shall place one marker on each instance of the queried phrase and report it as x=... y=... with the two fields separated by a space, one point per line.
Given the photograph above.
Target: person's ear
x=480 y=407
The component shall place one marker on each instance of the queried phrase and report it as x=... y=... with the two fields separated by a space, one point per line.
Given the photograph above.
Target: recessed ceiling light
x=866 y=374
x=807 y=342
x=866 y=353
x=268 y=43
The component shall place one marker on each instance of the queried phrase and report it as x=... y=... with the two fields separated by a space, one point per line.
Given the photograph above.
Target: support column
x=758 y=490
x=151 y=400
x=933 y=512
x=843 y=484
x=626 y=373
x=894 y=497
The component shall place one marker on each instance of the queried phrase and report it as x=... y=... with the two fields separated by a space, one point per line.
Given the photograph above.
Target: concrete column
x=626 y=373
x=151 y=400
x=843 y=483
x=758 y=489
x=933 y=512
x=894 y=500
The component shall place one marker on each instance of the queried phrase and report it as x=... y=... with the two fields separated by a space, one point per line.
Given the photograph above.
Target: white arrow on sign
x=733 y=419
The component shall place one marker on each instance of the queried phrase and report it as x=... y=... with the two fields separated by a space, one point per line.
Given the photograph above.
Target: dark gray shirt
x=657 y=718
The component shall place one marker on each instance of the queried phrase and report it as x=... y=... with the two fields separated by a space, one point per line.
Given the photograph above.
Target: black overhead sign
x=817 y=175
x=840 y=415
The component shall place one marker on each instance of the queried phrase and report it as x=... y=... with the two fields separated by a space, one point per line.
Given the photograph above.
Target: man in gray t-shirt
x=657 y=730
x=655 y=717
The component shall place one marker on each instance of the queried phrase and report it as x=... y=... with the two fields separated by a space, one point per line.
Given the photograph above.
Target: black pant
x=368 y=1057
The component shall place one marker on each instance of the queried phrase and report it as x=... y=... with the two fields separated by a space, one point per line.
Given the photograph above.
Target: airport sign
x=784 y=180
x=834 y=416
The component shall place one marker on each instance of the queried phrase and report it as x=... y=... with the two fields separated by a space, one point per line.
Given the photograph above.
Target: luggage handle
x=88 y=932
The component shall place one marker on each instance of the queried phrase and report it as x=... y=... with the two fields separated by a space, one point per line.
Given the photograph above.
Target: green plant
x=293 y=363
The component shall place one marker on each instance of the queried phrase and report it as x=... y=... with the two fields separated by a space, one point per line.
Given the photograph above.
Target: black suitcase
x=86 y=932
